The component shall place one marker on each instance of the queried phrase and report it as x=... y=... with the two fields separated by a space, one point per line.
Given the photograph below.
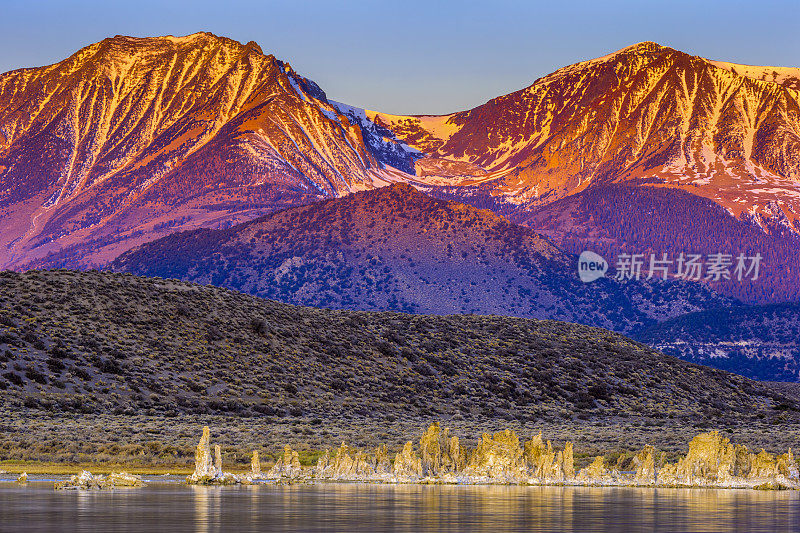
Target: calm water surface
x=172 y=507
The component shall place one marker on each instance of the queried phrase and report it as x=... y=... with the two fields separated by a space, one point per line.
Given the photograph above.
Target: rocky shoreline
x=501 y=458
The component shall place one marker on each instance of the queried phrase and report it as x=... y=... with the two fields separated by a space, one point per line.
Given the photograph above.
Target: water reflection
x=355 y=508
x=207 y=508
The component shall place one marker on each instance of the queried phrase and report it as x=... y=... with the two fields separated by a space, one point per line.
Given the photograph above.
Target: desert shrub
x=55 y=365
x=213 y=333
x=599 y=392
x=81 y=373
x=13 y=378
x=259 y=326
x=35 y=375
x=184 y=310
x=108 y=366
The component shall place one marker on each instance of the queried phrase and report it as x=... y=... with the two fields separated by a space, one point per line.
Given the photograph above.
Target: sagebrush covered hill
x=98 y=342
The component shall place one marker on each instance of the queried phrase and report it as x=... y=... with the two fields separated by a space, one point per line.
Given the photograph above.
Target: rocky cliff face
x=208 y=469
x=645 y=466
x=255 y=465
x=85 y=480
x=441 y=453
x=713 y=460
x=350 y=464
x=130 y=137
x=645 y=114
x=287 y=466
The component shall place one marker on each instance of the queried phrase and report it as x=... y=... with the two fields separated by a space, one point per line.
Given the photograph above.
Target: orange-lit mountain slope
x=130 y=138
x=646 y=114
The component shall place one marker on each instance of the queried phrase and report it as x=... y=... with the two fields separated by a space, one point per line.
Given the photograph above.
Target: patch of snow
x=779 y=75
x=297 y=88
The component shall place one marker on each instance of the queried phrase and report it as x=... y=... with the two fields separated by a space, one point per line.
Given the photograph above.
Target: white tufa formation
x=208 y=471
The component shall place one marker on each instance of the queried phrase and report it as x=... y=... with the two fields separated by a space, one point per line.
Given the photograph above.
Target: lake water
x=172 y=507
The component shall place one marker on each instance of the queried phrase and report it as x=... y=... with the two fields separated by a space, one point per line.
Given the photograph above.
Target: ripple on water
x=362 y=507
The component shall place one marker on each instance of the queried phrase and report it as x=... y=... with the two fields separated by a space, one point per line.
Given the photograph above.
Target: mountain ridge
x=86 y=174
x=124 y=132
x=616 y=219
x=646 y=112
x=396 y=248
x=759 y=342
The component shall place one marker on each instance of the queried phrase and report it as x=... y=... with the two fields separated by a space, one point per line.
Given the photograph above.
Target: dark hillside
x=110 y=343
x=398 y=249
x=615 y=219
x=760 y=341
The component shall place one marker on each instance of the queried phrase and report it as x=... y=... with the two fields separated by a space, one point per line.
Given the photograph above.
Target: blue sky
x=411 y=56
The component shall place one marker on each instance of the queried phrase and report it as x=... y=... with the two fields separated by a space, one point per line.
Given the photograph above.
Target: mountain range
x=398 y=249
x=645 y=115
x=617 y=219
x=204 y=159
x=131 y=139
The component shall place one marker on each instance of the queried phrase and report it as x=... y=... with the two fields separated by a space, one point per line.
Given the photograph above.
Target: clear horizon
x=416 y=57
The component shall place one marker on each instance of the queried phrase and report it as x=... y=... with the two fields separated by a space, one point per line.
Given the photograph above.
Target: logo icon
x=591 y=266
